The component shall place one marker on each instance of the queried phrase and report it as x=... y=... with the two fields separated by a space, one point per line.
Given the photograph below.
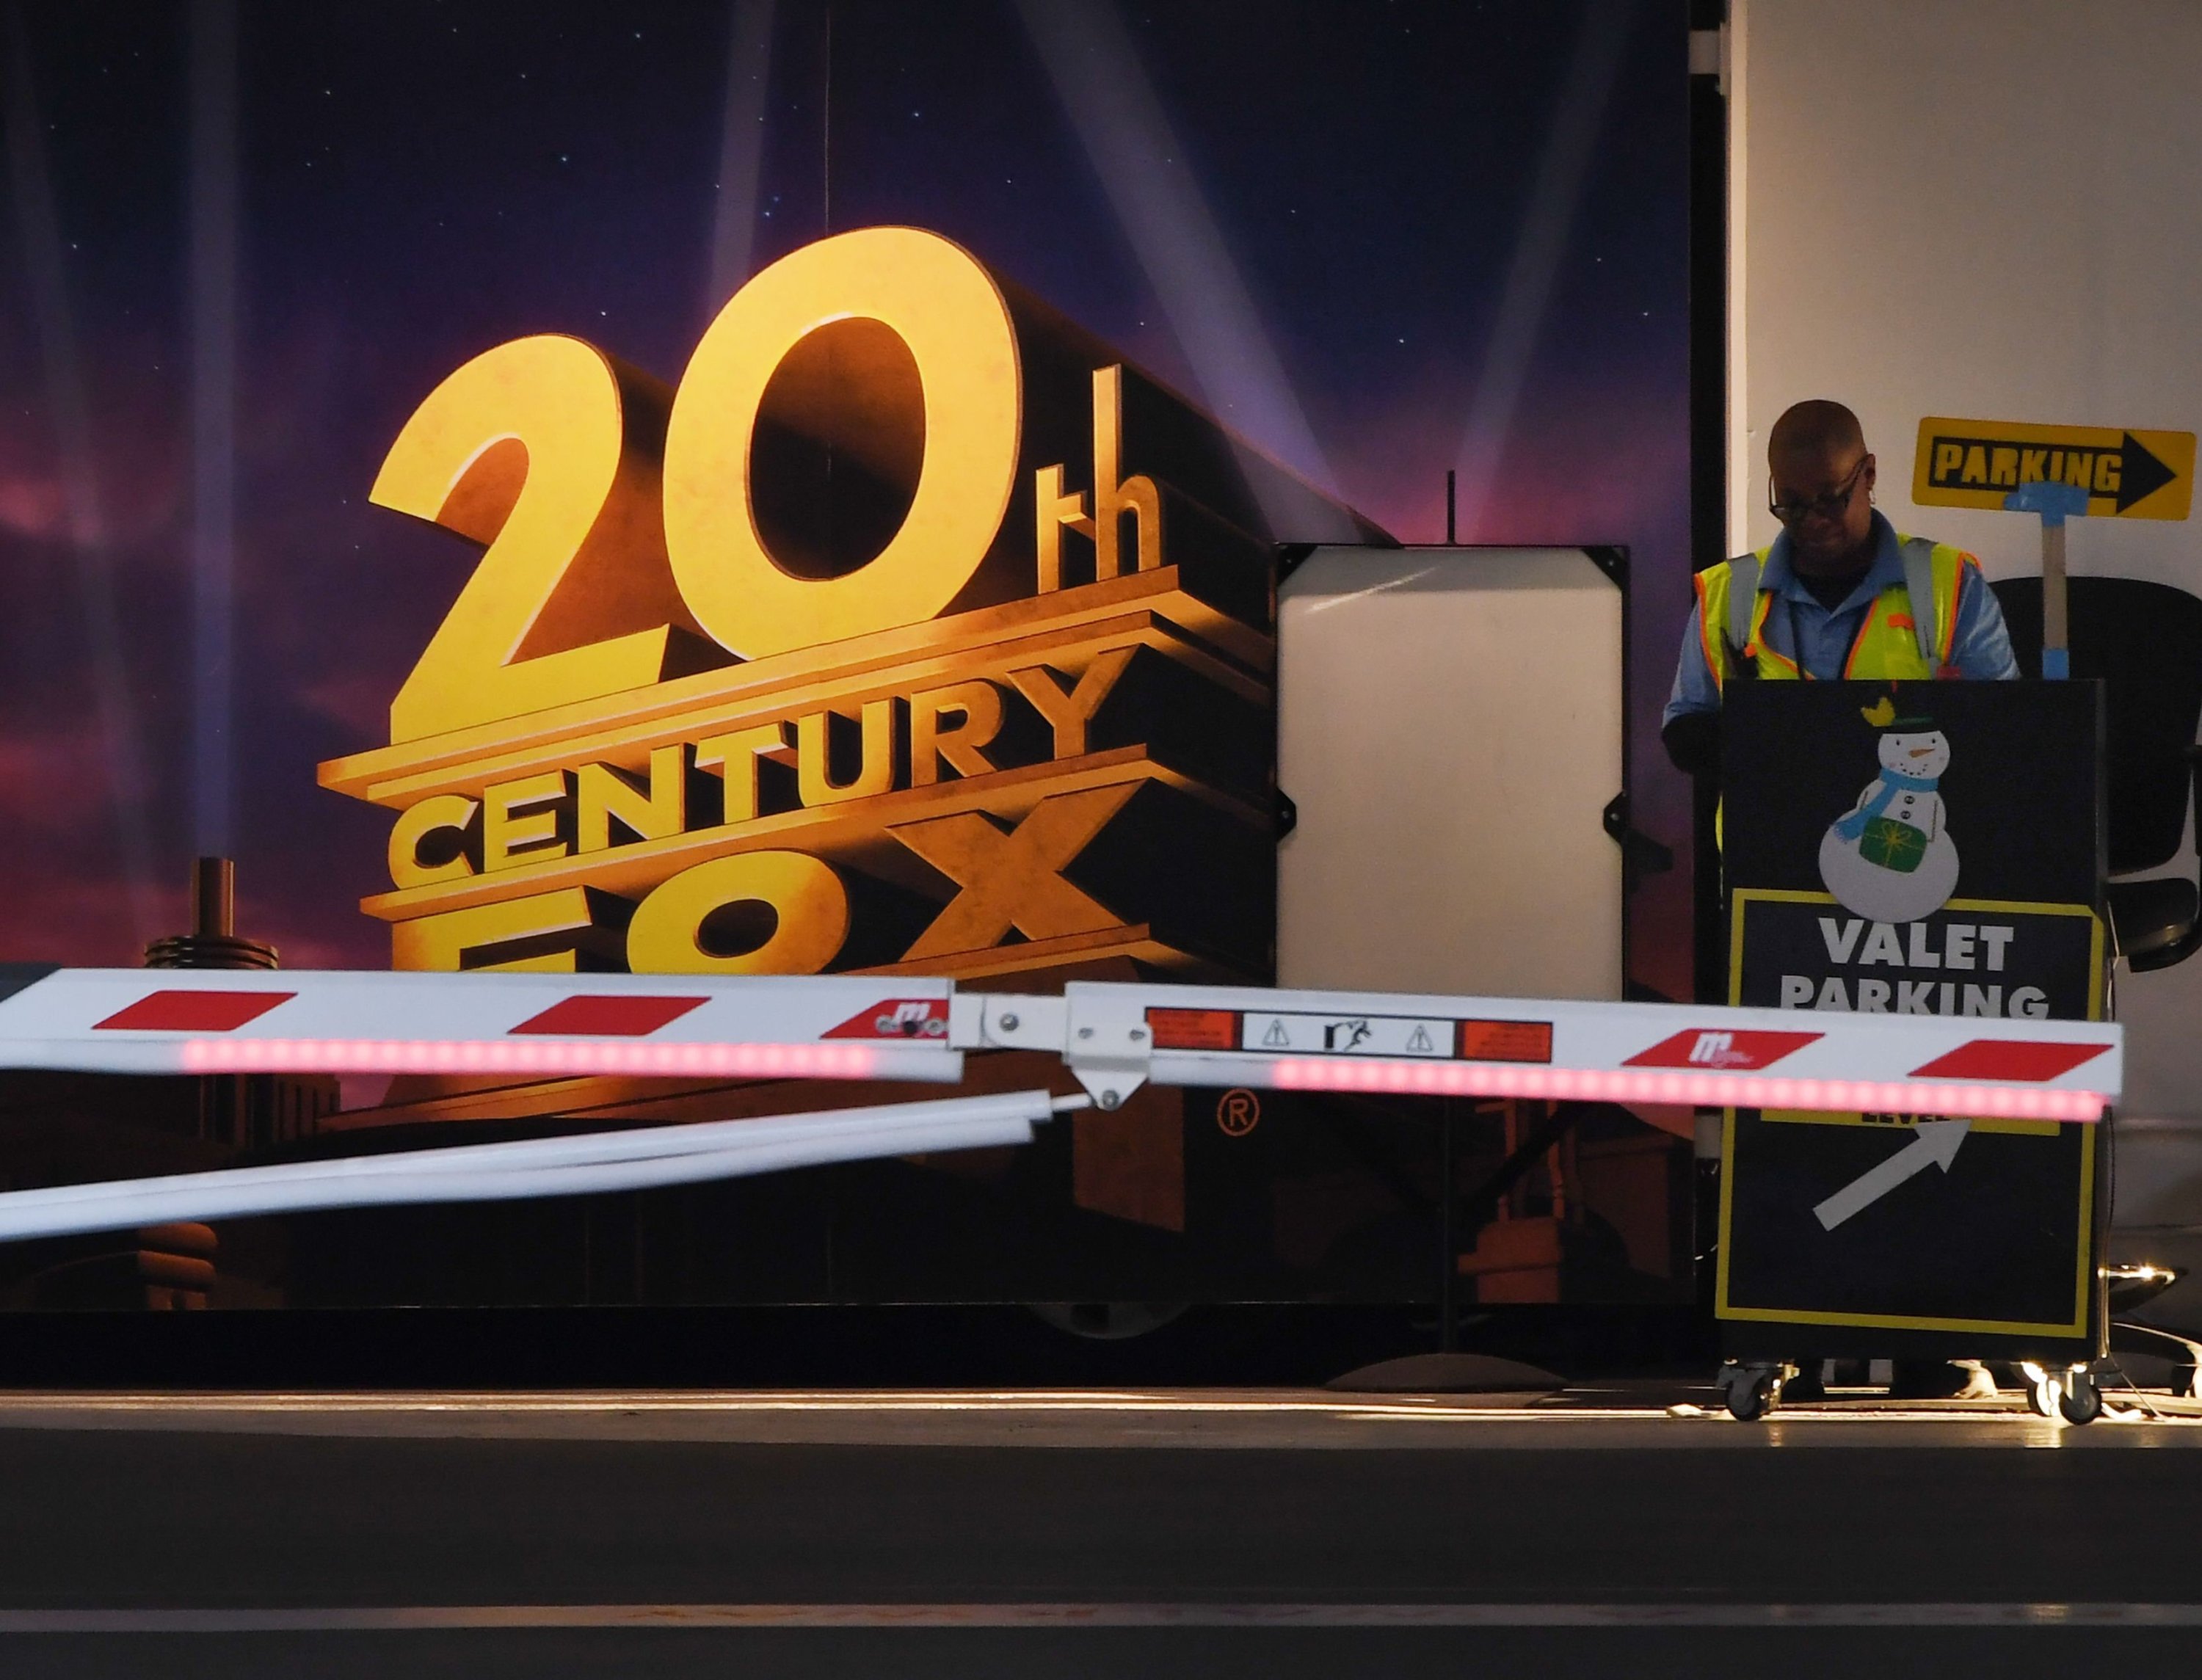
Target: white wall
x=1978 y=208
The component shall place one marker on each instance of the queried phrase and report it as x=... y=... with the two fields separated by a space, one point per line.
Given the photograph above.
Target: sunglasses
x=1829 y=506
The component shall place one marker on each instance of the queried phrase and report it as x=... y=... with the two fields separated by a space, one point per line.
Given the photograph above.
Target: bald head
x=1820 y=481
x=1816 y=427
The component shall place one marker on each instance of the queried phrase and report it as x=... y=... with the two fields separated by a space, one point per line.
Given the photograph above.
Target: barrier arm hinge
x=1103 y=1035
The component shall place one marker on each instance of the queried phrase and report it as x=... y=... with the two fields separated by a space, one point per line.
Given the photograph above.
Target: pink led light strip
x=1725 y=1090
x=295 y=1055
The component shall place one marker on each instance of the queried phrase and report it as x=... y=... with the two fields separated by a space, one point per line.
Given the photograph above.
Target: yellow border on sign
x=1880 y=1321
x=1983 y=1124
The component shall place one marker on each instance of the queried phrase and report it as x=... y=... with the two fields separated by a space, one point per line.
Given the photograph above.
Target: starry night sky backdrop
x=421 y=180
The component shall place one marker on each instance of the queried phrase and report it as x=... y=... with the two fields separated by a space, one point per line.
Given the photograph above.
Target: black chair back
x=2145 y=640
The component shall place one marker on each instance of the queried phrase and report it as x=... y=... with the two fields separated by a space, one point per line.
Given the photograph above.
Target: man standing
x=1838 y=594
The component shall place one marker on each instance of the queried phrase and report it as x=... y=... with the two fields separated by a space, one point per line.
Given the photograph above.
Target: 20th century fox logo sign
x=865 y=648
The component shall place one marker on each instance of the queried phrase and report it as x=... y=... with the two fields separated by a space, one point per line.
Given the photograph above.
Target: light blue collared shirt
x=1801 y=628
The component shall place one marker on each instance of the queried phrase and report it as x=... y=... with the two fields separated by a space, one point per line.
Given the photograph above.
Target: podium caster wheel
x=1751 y=1395
x=2080 y=1401
x=2042 y=1397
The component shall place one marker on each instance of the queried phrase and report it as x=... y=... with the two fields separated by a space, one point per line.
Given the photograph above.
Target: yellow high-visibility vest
x=1895 y=643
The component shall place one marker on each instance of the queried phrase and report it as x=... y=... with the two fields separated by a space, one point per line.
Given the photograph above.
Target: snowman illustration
x=1890 y=858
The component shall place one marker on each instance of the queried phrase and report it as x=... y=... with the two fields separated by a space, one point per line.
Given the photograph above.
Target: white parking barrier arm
x=557 y=1166
x=1114 y=1037
x=1117 y=1037
x=547 y=1025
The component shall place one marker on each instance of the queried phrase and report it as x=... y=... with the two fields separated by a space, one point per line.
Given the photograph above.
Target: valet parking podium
x=1973 y=887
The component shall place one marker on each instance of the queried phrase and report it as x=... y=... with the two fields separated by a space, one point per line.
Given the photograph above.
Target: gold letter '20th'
x=618 y=516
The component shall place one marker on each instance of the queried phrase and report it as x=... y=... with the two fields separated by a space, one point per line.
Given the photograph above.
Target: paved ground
x=1093 y=1533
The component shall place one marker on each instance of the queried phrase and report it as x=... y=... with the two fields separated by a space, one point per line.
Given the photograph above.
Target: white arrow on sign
x=1935 y=1143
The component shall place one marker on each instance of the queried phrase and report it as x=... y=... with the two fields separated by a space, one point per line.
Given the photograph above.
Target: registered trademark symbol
x=1238 y=1112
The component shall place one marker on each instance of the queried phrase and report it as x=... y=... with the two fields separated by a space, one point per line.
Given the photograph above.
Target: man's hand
x=1693 y=741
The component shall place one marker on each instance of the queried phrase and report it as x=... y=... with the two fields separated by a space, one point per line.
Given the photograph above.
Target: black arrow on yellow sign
x=2140 y=474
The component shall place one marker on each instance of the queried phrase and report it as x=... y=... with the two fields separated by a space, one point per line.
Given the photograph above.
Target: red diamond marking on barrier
x=192 y=1011
x=1728 y=1050
x=618 y=1016
x=2009 y=1058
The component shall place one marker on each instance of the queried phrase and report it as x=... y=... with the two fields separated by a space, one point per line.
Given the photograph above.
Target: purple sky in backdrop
x=421 y=180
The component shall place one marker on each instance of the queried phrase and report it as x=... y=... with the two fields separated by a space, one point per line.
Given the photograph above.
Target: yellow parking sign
x=2126 y=474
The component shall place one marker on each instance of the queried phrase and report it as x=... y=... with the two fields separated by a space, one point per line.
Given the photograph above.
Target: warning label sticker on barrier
x=1506 y=1041
x=1394 y=1037
x=1389 y=1035
x=1194 y=1028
